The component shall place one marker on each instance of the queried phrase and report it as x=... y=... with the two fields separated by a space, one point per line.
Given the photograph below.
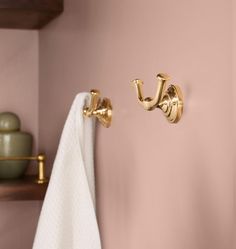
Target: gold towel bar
x=100 y=108
x=41 y=165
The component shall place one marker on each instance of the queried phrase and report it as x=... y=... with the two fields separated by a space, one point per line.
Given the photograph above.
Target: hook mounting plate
x=172 y=104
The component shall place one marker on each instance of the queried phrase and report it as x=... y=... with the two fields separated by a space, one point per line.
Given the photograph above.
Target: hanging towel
x=68 y=217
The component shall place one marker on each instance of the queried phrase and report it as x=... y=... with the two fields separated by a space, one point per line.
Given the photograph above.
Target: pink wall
x=158 y=185
x=19 y=93
x=19 y=76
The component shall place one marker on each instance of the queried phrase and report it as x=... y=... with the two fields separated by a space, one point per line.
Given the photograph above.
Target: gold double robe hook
x=100 y=108
x=170 y=101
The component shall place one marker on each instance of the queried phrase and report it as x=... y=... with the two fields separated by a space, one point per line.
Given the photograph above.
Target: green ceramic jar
x=13 y=142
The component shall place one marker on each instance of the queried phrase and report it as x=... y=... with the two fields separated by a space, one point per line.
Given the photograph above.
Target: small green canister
x=13 y=143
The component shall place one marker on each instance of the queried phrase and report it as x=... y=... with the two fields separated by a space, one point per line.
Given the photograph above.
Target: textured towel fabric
x=68 y=218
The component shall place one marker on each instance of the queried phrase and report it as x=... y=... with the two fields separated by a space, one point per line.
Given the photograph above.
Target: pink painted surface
x=158 y=185
x=19 y=93
x=19 y=77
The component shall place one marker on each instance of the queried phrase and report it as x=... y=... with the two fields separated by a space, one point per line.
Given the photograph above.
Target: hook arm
x=95 y=99
x=151 y=103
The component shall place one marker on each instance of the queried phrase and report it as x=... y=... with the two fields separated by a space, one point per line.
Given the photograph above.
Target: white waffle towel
x=68 y=217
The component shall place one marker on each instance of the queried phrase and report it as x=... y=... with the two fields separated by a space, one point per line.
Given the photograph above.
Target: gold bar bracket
x=169 y=100
x=100 y=108
x=41 y=158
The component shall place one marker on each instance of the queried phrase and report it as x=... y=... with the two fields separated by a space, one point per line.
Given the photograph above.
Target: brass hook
x=102 y=109
x=170 y=101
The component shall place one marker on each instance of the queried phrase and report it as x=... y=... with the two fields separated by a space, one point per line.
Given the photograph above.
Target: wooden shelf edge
x=23 y=189
x=28 y=14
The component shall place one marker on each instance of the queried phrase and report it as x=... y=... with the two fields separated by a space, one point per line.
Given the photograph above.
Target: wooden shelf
x=22 y=189
x=28 y=14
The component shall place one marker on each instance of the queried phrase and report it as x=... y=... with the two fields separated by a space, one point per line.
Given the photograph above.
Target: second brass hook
x=169 y=100
x=101 y=109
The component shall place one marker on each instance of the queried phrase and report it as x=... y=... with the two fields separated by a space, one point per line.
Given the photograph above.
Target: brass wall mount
x=169 y=100
x=41 y=165
x=100 y=108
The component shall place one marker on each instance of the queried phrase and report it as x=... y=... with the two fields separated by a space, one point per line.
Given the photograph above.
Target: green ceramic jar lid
x=9 y=122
